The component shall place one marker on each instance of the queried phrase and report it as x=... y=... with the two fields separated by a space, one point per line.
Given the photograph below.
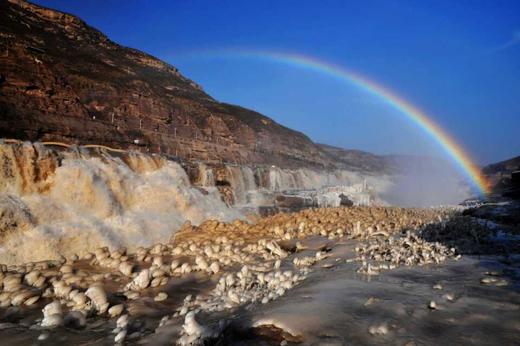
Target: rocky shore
x=199 y=287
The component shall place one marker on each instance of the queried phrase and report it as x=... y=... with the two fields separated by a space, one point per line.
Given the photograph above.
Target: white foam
x=102 y=201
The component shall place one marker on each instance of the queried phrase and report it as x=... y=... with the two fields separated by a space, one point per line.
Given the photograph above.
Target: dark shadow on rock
x=496 y=245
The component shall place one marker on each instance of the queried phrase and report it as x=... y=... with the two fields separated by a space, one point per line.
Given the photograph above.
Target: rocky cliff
x=504 y=177
x=62 y=80
x=503 y=167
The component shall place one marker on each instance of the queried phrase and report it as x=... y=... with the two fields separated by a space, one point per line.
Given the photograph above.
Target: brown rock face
x=62 y=80
x=504 y=177
x=285 y=202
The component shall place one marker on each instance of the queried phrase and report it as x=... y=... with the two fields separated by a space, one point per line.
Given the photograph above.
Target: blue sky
x=459 y=61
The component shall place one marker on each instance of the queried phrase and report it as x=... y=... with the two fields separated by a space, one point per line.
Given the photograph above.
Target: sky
x=458 y=61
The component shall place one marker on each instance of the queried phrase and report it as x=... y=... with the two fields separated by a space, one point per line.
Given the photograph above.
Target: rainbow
x=457 y=154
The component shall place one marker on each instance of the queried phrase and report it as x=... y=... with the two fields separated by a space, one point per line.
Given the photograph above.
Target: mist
x=426 y=181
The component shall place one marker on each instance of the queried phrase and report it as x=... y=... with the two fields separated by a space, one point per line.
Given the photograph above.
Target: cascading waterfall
x=272 y=181
x=306 y=179
x=67 y=203
x=242 y=181
x=282 y=180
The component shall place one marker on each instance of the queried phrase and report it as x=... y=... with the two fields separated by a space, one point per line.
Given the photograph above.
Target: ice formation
x=53 y=205
x=64 y=203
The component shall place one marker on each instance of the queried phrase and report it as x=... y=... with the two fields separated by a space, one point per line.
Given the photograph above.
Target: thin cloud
x=515 y=40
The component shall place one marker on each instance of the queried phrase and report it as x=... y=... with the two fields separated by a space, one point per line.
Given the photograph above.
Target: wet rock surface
x=336 y=276
x=504 y=211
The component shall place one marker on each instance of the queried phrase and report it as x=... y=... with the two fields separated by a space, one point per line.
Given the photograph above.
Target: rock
x=98 y=297
x=32 y=300
x=293 y=203
x=192 y=330
x=156 y=282
x=79 y=298
x=32 y=277
x=122 y=321
x=126 y=268
x=174 y=264
x=160 y=297
x=52 y=308
x=345 y=201
x=141 y=281
x=449 y=296
x=132 y=295
x=488 y=280
x=65 y=269
x=116 y=310
x=61 y=289
x=120 y=336
x=371 y=301
x=52 y=321
x=201 y=263
x=501 y=282
x=12 y=283
x=276 y=249
x=214 y=268
x=158 y=273
x=43 y=336
x=158 y=261
x=21 y=297
x=381 y=329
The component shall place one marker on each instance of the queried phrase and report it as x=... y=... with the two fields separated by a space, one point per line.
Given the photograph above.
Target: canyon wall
x=62 y=80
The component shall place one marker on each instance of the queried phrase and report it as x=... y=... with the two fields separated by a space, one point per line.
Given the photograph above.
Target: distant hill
x=504 y=167
x=358 y=160
x=500 y=174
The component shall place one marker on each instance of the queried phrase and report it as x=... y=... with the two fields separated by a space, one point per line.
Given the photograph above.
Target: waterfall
x=72 y=201
x=242 y=180
x=282 y=180
x=63 y=203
